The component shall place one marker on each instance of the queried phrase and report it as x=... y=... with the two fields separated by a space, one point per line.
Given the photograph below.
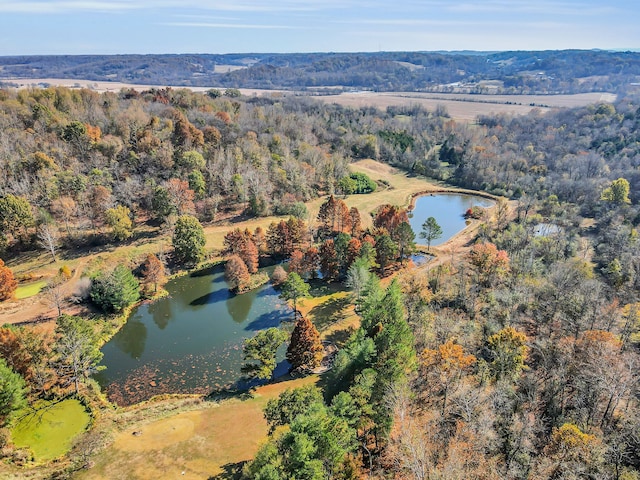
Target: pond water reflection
x=188 y=342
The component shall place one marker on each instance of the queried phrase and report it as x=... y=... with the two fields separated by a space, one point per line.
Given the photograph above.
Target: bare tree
x=55 y=294
x=48 y=239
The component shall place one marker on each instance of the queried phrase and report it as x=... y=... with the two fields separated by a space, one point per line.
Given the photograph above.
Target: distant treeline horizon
x=507 y=72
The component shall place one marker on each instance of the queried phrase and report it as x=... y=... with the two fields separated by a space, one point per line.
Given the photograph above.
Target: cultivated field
x=466 y=108
x=461 y=107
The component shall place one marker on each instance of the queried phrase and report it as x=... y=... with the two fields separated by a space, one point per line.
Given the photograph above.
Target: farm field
x=461 y=107
x=465 y=108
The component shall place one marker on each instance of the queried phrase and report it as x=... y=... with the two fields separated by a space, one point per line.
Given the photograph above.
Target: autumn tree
x=153 y=271
x=259 y=353
x=119 y=219
x=297 y=264
x=259 y=239
x=14 y=352
x=188 y=240
x=236 y=274
x=239 y=242
x=356 y=222
x=389 y=218
x=329 y=266
x=571 y=453
x=8 y=284
x=180 y=196
x=444 y=367
x=508 y=352
x=305 y=349
x=489 y=263
x=617 y=192
x=65 y=208
x=279 y=275
x=277 y=239
x=100 y=200
x=333 y=217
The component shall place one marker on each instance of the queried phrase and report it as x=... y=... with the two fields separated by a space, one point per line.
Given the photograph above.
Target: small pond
x=188 y=342
x=448 y=209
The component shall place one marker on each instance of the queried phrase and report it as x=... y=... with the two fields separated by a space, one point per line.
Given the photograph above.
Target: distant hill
x=561 y=71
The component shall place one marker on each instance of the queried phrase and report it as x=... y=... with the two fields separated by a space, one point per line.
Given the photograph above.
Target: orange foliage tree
x=445 y=366
x=333 y=217
x=237 y=274
x=8 y=284
x=153 y=271
x=389 y=218
x=305 y=349
x=490 y=264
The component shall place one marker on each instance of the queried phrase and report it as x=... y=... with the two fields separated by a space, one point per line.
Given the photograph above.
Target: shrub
x=114 y=291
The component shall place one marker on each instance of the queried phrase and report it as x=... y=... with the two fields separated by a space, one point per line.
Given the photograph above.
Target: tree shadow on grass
x=340 y=337
x=230 y=471
x=329 y=312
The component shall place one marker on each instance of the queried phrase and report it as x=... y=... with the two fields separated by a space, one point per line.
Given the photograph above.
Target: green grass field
x=30 y=289
x=48 y=429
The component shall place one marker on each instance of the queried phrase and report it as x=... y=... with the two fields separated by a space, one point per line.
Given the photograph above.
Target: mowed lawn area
x=215 y=439
x=210 y=442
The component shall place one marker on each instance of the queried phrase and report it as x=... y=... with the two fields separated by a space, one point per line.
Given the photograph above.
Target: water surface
x=188 y=342
x=448 y=209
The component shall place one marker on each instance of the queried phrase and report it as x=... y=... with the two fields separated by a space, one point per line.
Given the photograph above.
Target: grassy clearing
x=401 y=188
x=30 y=289
x=48 y=429
x=210 y=442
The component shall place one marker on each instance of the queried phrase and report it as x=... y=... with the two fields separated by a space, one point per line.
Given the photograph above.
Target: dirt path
x=38 y=309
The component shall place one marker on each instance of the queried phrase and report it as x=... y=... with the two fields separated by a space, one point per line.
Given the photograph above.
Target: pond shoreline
x=460 y=191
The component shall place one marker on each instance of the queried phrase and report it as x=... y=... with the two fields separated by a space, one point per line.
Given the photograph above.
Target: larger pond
x=448 y=209
x=188 y=342
x=191 y=341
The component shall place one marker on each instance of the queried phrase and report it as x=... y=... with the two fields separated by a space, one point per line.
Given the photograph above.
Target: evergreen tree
x=430 y=231
x=116 y=290
x=12 y=392
x=262 y=349
x=294 y=288
x=188 y=240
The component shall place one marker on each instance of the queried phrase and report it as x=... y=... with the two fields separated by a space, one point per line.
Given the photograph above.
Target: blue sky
x=228 y=26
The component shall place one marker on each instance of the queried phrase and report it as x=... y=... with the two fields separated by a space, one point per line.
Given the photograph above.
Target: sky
x=47 y=27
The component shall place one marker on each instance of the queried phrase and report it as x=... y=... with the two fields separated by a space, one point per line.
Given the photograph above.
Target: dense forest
x=521 y=72
x=515 y=359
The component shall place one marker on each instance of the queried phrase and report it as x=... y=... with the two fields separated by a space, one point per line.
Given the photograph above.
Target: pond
x=190 y=341
x=448 y=209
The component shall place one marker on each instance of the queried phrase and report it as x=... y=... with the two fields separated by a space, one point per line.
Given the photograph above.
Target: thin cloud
x=230 y=25
x=65 y=6
x=546 y=8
